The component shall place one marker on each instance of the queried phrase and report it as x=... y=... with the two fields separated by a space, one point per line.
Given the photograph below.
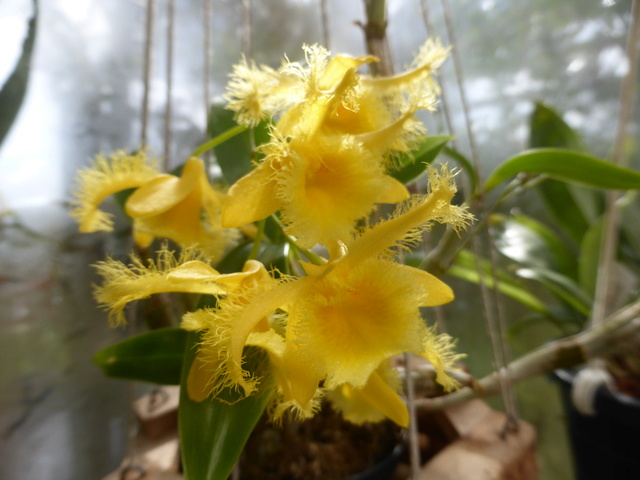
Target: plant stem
x=223 y=137
x=375 y=32
x=615 y=335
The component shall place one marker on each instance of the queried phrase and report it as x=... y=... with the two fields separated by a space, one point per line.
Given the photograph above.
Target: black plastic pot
x=605 y=446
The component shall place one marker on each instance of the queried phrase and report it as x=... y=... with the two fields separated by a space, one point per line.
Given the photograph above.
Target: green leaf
x=234 y=155
x=563 y=287
x=213 y=433
x=14 y=89
x=561 y=203
x=411 y=165
x=549 y=130
x=521 y=328
x=530 y=243
x=464 y=270
x=155 y=356
x=568 y=166
x=588 y=260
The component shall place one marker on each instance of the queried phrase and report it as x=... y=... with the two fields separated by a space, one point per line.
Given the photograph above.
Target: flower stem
x=215 y=141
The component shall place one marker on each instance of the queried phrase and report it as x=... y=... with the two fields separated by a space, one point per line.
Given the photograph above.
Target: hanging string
x=148 y=41
x=492 y=304
x=208 y=61
x=324 y=14
x=168 y=131
x=246 y=28
x=429 y=29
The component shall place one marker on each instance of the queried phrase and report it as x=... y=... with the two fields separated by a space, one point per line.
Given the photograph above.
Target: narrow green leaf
x=411 y=165
x=14 y=89
x=549 y=130
x=519 y=328
x=566 y=203
x=510 y=289
x=155 y=356
x=563 y=287
x=561 y=203
x=213 y=433
x=235 y=155
x=566 y=165
x=589 y=258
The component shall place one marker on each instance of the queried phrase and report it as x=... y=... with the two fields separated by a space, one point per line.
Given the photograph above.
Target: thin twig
x=621 y=331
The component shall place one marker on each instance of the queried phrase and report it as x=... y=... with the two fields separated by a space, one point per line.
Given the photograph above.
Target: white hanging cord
x=324 y=14
x=595 y=374
x=491 y=301
x=428 y=25
x=246 y=28
x=168 y=131
x=148 y=42
x=208 y=57
x=206 y=77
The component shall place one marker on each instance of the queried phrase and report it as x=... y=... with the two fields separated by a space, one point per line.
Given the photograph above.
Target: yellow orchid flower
x=104 y=178
x=329 y=94
x=321 y=189
x=347 y=316
x=184 y=209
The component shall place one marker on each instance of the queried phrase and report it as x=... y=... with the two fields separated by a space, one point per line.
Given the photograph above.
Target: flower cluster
x=332 y=331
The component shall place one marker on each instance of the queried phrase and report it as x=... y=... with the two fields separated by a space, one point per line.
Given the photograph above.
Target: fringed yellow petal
x=166 y=191
x=431 y=56
x=395 y=136
x=404 y=228
x=297 y=392
x=439 y=351
x=142 y=239
x=252 y=273
x=372 y=403
x=433 y=291
x=338 y=67
x=104 y=178
x=238 y=315
x=251 y=198
x=257 y=92
x=123 y=284
x=392 y=191
x=199 y=378
x=379 y=394
x=199 y=320
x=193 y=270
